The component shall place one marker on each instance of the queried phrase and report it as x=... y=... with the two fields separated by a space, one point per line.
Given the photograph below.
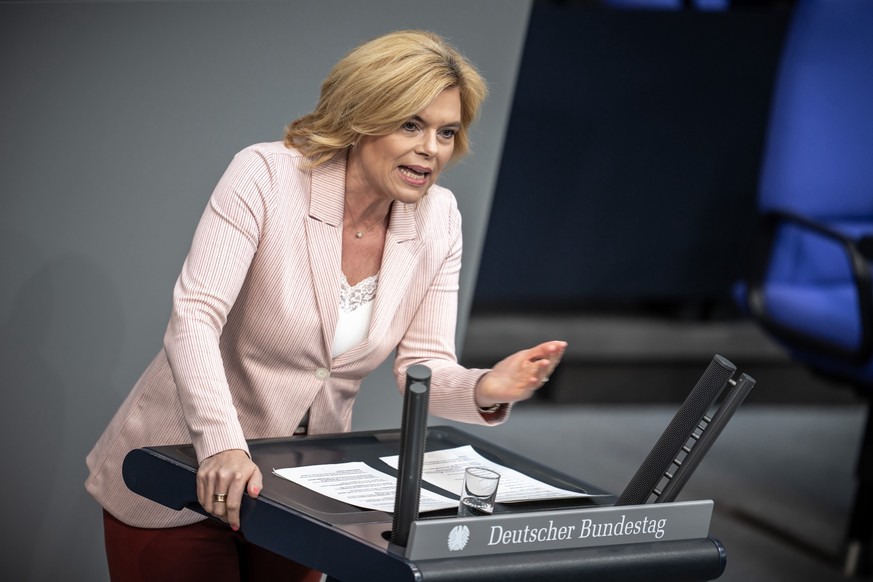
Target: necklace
x=358 y=232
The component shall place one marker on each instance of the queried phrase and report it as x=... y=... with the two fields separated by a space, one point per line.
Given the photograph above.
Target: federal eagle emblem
x=458 y=538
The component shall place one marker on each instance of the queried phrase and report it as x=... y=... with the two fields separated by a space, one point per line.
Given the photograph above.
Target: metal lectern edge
x=331 y=549
x=694 y=560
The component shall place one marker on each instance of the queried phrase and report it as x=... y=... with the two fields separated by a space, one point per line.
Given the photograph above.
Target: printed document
x=359 y=484
x=445 y=469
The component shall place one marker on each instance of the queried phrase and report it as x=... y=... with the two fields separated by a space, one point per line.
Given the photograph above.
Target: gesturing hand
x=229 y=473
x=518 y=376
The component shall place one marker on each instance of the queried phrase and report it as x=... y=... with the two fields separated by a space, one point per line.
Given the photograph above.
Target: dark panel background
x=630 y=168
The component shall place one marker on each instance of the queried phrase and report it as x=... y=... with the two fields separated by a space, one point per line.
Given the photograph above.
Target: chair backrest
x=817 y=159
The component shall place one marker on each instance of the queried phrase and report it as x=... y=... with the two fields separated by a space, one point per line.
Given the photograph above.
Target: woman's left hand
x=518 y=376
x=227 y=474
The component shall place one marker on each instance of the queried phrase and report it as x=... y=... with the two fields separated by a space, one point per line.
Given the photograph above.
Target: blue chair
x=810 y=285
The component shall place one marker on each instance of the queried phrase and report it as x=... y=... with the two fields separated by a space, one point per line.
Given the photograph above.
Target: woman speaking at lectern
x=315 y=259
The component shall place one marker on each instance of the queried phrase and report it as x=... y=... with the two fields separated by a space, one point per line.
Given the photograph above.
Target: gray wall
x=117 y=119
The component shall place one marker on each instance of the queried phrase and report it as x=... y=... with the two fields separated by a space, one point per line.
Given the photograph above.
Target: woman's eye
x=448 y=133
x=410 y=126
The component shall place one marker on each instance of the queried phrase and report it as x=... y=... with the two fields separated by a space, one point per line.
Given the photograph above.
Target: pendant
x=359 y=234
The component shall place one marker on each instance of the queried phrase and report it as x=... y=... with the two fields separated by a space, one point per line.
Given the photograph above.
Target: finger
x=554 y=358
x=219 y=508
x=541 y=372
x=207 y=490
x=256 y=483
x=234 y=501
x=547 y=350
x=550 y=369
x=201 y=489
x=215 y=486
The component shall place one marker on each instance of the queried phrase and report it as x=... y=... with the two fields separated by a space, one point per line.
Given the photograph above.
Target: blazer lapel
x=399 y=261
x=324 y=240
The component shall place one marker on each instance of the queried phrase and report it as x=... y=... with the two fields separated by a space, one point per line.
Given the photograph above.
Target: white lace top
x=355 y=313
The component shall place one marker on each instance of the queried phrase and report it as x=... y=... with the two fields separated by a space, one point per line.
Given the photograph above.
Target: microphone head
x=418 y=373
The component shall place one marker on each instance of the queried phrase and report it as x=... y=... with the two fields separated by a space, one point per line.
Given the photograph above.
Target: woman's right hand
x=232 y=473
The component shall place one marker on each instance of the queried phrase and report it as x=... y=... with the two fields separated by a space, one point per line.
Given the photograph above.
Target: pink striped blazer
x=248 y=347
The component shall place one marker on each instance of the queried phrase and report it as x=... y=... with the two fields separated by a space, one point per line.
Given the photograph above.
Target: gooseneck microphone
x=413 y=437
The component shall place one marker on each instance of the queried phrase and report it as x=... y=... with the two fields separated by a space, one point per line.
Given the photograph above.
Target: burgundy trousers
x=207 y=551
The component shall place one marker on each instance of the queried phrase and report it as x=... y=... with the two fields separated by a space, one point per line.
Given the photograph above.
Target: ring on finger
x=219 y=497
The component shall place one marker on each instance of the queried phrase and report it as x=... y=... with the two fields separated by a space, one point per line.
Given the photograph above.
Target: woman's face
x=404 y=164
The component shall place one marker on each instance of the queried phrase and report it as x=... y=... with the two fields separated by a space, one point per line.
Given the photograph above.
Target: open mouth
x=415 y=175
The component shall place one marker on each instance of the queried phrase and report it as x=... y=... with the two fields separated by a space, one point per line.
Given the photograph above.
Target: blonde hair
x=381 y=84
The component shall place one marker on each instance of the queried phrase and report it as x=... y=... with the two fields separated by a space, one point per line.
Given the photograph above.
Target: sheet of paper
x=445 y=469
x=360 y=485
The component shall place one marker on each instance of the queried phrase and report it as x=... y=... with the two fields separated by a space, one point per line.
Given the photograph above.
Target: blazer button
x=322 y=373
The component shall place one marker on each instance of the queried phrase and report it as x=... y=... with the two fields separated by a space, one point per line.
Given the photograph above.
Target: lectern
x=351 y=544
x=593 y=537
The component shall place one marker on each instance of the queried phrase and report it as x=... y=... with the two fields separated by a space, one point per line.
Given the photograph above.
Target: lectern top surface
x=369 y=447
